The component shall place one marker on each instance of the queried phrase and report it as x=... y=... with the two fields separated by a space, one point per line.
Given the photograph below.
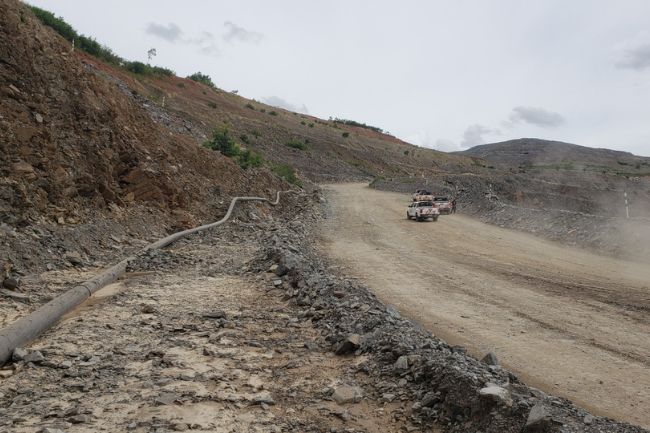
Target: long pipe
x=34 y=324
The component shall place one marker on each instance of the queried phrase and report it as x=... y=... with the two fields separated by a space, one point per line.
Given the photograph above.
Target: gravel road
x=570 y=322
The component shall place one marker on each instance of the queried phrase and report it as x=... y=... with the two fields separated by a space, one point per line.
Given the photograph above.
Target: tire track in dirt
x=565 y=320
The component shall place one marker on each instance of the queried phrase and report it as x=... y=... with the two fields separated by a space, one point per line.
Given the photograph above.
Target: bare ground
x=193 y=340
x=570 y=322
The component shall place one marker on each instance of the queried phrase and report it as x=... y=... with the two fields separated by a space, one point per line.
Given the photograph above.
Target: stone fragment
x=539 y=420
x=496 y=394
x=74 y=258
x=35 y=356
x=490 y=359
x=14 y=295
x=10 y=283
x=347 y=394
x=263 y=397
x=402 y=363
x=19 y=354
x=588 y=419
x=147 y=309
x=349 y=345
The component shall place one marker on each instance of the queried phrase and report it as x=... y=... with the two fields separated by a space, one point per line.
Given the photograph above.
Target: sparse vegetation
x=311 y=125
x=345 y=134
x=212 y=104
x=244 y=138
x=255 y=133
x=94 y=48
x=251 y=106
x=296 y=144
x=358 y=124
x=222 y=142
x=203 y=79
x=273 y=113
x=286 y=172
x=302 y=122
x=181 y=85
x=248 y=158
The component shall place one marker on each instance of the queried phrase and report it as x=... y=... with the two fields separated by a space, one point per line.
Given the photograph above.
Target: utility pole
x=627 y=207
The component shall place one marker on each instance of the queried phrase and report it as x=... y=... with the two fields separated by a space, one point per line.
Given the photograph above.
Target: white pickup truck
x=422 y=210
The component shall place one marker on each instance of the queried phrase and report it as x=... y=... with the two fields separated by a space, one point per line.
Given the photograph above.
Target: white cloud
x=474 y=135
x=276 y=101
x=536 y=116
x=170 y=32
x=636 y=58
x=240 y=34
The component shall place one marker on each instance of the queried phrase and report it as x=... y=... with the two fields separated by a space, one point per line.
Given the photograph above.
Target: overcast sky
x=445 y=74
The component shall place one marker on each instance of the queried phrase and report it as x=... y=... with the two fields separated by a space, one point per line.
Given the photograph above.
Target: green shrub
x=248 y=158
x=58 y=24
x=406 y=152
x=202 y=78
x=311 y=125
x=159 y=70
x=181 y=85
x=212 y=104
x=358 y=124
x=262 y=110
x=222 y=142
x=295 y=144
x=251 y=106
x=273 y=113
x=244 y=138
x=286 y=172
x=255 y=133
x=302 y=122
x=345 y=134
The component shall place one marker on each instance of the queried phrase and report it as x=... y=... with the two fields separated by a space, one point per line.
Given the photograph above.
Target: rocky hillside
x=533 y=153
x=72 y=139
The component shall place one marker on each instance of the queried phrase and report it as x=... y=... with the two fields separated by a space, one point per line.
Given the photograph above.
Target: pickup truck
x=443 y=204
x=422 y=210
x=422 y=195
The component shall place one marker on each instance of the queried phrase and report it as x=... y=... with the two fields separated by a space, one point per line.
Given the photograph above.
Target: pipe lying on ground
x=34 y=324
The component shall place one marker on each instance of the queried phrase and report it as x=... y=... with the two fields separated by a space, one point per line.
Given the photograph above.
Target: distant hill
x=528 y=153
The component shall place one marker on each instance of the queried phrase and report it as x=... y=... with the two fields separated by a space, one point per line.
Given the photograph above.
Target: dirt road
x=567 y=321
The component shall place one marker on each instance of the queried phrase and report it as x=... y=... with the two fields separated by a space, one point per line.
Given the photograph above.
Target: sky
x=445 y=74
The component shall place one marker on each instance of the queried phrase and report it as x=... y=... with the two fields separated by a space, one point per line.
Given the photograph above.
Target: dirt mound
x=72 y=140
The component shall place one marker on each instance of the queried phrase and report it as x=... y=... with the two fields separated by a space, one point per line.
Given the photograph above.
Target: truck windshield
x=425 y=204
x=441 y=199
